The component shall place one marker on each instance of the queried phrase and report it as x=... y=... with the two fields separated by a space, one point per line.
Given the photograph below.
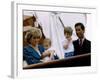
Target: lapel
x=82 y=43
x=77 y=42
x=34 y=52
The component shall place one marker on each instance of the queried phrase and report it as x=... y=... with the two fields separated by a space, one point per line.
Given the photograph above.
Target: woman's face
x=35 y=41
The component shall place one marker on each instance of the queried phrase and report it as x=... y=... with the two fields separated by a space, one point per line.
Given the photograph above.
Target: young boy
x=67 y=43
x=49 y=49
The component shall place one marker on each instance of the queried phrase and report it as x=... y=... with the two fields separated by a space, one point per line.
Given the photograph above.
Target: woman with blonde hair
x=33 y=53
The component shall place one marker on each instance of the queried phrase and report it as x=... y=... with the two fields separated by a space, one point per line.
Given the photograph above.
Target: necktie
x=80 y=42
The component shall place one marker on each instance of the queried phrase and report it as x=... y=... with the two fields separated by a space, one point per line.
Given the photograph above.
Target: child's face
x=67 y=35
x=46 y=45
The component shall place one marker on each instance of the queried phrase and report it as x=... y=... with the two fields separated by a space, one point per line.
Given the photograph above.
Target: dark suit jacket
x=31 y=55
x=85 y=48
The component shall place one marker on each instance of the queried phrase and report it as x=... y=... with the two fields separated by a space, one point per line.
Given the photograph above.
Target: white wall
x=5 y=41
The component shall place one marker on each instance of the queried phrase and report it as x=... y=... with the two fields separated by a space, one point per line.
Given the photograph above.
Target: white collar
x=82 y=40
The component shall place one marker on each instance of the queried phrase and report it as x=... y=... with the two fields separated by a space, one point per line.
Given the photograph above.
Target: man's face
x=79 y=32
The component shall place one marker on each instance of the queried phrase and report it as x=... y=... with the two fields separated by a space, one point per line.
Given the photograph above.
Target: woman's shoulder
x=41 y=47
x=28 y=48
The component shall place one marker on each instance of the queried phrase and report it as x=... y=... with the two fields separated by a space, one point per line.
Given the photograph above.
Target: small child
x=49 y=49
x=67 y=43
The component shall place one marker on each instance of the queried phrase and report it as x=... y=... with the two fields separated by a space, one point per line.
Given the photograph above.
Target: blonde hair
x=33 y=33
x=68 y=30
x=47 y=40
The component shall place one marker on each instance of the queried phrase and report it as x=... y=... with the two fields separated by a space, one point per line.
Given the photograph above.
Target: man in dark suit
x=81 y=45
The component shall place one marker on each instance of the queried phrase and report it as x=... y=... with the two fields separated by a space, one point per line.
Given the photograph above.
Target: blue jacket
x=31 y=55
